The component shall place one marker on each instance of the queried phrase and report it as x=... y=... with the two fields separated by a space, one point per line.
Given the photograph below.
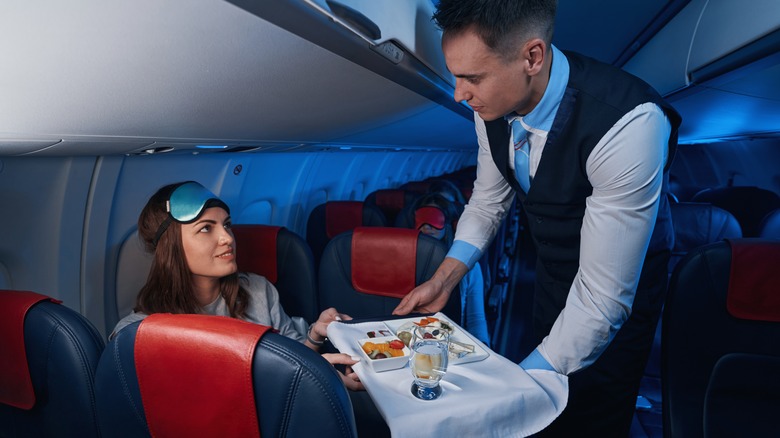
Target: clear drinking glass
x=428 y=362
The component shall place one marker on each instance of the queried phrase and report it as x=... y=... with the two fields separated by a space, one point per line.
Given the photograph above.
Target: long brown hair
x=169 y=286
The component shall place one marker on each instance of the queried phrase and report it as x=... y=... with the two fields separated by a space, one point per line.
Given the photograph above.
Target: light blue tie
x=522 y=153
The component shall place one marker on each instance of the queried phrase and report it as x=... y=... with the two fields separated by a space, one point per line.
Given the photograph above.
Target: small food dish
x=404 y=332
x=463 y=347
x=381 y=356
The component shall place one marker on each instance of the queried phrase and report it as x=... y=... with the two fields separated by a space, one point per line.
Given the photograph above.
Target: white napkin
x=494 y=393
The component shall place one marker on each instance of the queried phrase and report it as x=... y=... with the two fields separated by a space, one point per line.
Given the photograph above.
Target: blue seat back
x=701 y=326
x=63 y=349
x=297 y=392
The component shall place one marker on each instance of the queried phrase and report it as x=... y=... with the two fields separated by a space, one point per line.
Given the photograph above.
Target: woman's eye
x=228 y=225
x=205 y=229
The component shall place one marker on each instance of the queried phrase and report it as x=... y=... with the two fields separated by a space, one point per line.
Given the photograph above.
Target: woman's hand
x=320 y=328
x=350 y=379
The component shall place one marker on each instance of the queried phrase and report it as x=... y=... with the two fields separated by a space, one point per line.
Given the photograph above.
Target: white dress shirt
x=626 y=171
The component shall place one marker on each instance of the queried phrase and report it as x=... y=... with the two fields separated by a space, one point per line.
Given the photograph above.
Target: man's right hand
x=432 y=296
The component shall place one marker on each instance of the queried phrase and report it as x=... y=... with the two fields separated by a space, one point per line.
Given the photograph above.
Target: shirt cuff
x=535 y=361
x=465 y=252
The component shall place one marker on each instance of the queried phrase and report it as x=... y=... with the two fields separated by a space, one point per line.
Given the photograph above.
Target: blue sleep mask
x=185 y=205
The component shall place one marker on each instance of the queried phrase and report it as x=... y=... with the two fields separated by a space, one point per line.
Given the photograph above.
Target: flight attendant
x=586 y=149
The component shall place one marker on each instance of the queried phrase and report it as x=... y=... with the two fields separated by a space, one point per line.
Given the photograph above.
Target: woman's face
x=209 y=245
x=432 y=231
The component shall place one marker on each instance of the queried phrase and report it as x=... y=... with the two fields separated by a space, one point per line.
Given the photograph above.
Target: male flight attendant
x=586 y=148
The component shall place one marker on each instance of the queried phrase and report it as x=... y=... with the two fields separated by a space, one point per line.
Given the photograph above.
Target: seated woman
x=431 y=218
x=194 y=270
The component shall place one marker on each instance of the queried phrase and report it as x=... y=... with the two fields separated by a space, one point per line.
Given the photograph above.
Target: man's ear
x=534 y=54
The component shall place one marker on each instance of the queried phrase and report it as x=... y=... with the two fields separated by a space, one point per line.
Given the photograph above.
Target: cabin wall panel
x=44 y=202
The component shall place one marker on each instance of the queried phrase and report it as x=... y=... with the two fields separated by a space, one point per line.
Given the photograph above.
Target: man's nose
x=461 y=91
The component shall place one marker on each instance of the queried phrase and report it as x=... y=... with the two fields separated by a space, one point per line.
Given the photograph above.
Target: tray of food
x=463 y=347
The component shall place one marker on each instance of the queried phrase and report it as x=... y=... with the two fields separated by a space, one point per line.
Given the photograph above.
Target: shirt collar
x=542 y=116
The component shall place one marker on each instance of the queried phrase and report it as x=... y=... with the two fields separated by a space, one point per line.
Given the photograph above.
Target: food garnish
x=382 y=350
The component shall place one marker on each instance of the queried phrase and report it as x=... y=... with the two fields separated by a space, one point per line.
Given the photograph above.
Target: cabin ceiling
x=133 y=77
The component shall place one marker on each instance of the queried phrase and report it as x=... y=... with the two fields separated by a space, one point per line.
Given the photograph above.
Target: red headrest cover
x=341 y=216
x=16 y=387
x=256 y=249
x=754 y=283
x=384 y=260
x=390 y=199
x=195 y=375
x=432 y=216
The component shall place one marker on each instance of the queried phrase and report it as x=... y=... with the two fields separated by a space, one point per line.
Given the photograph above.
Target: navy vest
x=596 y=97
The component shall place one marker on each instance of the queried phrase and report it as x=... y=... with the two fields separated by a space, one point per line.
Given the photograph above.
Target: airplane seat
x=417 y=187
x=739 y=389
x=365 y=272
x=722 y=300
x=203 y=375
x=332 y=218
x=748 y=204
x=390 y=201
x=697 y=224
x=285 y=259
x=770 y=225
x=48 y=358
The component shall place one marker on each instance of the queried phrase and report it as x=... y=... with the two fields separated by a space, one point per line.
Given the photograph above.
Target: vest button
x=539 y=220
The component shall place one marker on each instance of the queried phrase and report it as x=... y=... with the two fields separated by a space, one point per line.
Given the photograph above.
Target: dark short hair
x=501 y=24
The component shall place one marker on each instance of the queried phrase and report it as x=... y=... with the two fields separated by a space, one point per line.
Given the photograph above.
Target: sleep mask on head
x=432 y=216
x=185 y=205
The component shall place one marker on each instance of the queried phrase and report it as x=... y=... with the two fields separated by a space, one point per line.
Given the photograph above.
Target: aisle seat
x=365 y=273
x=48 y=358
x=204 y=375
x=723 y=300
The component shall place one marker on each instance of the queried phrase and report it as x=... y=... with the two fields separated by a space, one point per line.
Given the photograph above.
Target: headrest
x=390 y=199
x=754 y=280
x=256 y=246
x=384 y=260
x=16 y=387
x=341 y=216
x=417 y=186
x=770 y=225
x=697 y=224
x=195 y=374
x=432 y=216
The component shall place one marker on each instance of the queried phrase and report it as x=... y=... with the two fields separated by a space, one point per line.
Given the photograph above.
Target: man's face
x=492 y=86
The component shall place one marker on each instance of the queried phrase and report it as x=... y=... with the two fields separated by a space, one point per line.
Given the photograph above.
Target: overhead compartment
x=118 y=78
x=702 y=34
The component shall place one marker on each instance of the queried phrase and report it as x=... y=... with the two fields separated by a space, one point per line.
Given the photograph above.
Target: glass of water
x=429 y=347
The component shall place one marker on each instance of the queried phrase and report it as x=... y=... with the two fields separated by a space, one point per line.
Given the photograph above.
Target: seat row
x=170 y=375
